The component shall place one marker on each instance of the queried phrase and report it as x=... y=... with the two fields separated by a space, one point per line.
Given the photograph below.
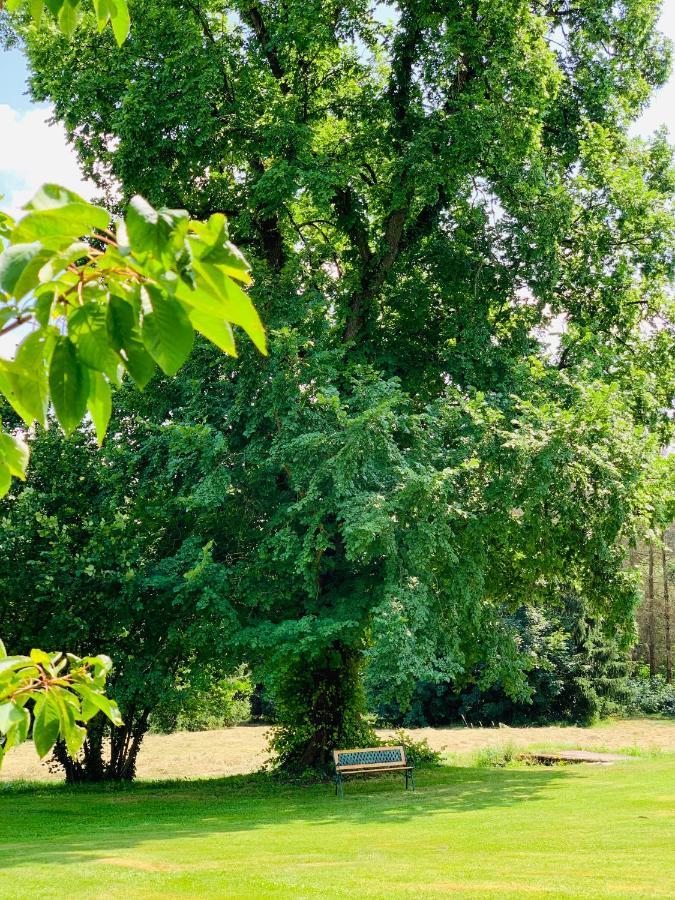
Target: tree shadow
x=101 y=820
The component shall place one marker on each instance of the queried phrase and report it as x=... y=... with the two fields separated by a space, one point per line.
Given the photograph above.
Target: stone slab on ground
x=575 y=756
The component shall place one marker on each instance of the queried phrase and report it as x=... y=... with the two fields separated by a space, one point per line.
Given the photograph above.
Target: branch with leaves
x=63 y=692
x=125 y=299
x=66 y=13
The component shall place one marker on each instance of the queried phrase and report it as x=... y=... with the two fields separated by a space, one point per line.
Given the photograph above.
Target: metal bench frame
x=371 y=761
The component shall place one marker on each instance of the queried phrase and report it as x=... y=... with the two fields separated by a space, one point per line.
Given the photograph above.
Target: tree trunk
x=651 y=637
x=320 y=707
x=666 y=612
x=92 y=766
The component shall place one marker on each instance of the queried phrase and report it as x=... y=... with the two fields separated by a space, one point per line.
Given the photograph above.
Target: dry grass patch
x=242 y=749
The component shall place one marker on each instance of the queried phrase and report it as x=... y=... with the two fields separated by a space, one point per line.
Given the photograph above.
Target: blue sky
x=13 y=73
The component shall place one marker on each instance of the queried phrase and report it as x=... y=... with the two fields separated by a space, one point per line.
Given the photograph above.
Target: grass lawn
x=573 y=831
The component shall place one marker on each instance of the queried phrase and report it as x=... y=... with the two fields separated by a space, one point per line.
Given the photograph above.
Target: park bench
x=371 y=761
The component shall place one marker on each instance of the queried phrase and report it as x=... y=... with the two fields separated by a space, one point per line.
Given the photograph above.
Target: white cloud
x=33 y=152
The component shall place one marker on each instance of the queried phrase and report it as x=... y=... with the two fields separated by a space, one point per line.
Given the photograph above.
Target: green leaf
x=14 y=454
x=220 y=296
x=14 y=261
x=213 y=246
x=166 y=330
x=10 y=715
x=36 y=7
x=43 y=305
x=150 y=230
x=5 y=479
x=87 y=326
x=41 y=658
x=125 y=337
x=57 y=227
x=102 y=12
x=45 y=726
x=52 y=196
x=15 y=663
x=107 y=706
x=69 y=385
x=29 y=373
x=68 y=17
x=119 y=18
x=99 y=404
x=58 y=262
x=23 y=381
x=218 y=331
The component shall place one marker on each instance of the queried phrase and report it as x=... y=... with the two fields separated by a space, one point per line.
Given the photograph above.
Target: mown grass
x=578 y=831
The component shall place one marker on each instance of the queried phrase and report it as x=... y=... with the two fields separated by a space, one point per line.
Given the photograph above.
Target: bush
x=226 y=702
x=419 y=753
x=495 y=757
x=650 y=695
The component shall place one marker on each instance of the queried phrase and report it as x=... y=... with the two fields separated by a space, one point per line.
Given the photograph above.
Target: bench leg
x=412 y=779
x=338 y=786
x=406 y=780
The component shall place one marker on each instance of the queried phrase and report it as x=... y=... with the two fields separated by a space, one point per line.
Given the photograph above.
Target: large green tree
x=423 y=188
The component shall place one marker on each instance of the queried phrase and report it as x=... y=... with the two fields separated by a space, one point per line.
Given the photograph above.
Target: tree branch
x=255 y=20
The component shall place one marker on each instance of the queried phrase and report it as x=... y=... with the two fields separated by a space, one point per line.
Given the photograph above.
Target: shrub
x=419 y=753
x=495 y=757
x=650 y=695
x=225 y=702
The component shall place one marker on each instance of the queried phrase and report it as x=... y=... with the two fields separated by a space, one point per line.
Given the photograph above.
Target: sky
x=34 y=151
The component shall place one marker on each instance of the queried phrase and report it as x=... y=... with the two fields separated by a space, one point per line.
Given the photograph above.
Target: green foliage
x=650 y=695
x=319 y=704
x=51 y=696
x=66 y=14
x=574 y=669
x=218 y=704
x=419 y=753
x=89 y=556
x=103 y=312
x=495 y=757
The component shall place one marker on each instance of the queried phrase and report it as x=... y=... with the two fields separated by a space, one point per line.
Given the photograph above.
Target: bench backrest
x=370 y=757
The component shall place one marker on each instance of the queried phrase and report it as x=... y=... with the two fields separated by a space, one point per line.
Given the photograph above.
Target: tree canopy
x=427 y=193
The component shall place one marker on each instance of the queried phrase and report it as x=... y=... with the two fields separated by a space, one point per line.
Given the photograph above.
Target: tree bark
x=92 y=766
x=651 y=636
x=666 y=612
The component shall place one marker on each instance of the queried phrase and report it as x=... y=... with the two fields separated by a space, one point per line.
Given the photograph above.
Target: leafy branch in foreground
x=67 y=14
x=65 y=692
x=105 y=298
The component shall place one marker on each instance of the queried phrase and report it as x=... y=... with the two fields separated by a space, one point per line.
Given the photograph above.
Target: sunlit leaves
x=107 y=298
x=15 y=262
x=69 y=384
x=167 y=333
x=57 y=227
x=67 y=14
x=99 y=404
x=64 y=691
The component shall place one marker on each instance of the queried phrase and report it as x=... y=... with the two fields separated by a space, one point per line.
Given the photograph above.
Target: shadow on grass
x=95 y=821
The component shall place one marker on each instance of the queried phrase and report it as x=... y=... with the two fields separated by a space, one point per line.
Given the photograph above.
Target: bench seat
x=371 y=761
